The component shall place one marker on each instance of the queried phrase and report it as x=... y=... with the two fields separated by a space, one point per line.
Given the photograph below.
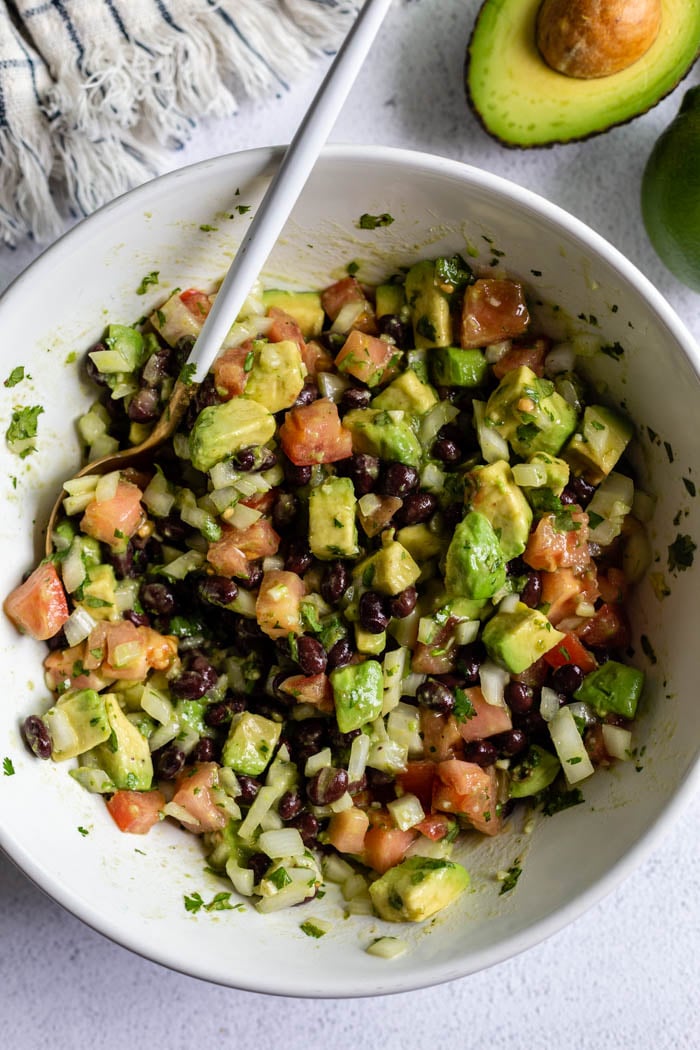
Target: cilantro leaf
x=464 y=709
x=311 y=929
x=220 y=902
x=454 y=271
x=511 y=879
x=23 y=428
x=16 y=376
x=194 y=903
x=187 y=372
x=371 y=222
x=150 y=278
x=7 y=767
x=681 y=553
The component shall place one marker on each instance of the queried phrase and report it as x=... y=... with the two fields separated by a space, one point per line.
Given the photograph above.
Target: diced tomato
x=530 y=356
x=347 y=830
x=373 y=361
x=277 y=608
x=386 y=846
x=535 y=675
x=116 y=519
x=136 y=811
x=338 y=295
x=493 y=310
x=435 y=826
x=126 y=654
x=564 y=589
x=198 y=303
x=488 y=719
x=68 y=666
x=314 y=689
x=313 y=434
x=550 y=548
x=237 y=547
x=594 y=743
x=465 y=788
x=608 y=628
x=441 y=736
x=284 y=327
x=262 y=501
x=194 y=793
x=230 y=376
x=316 y=358
x=417 y=779
x=613 y=585
x=440 y=656
x=39 y=606
x=380 y=515
x=570 y=651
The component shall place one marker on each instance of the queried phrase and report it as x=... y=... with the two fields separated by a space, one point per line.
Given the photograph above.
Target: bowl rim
x=430 y=974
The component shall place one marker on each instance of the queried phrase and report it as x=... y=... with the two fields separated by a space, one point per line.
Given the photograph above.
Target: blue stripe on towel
x=232 y=25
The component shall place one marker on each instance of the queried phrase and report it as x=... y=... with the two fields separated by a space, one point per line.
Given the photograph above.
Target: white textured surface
x=623 y=975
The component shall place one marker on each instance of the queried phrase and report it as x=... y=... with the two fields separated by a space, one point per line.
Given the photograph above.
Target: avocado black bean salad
x=368 y=601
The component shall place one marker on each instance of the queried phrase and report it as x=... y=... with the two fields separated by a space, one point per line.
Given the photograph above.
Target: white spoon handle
x=287 y=184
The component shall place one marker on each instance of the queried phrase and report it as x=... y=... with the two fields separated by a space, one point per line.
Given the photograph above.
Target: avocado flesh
x=523 y=102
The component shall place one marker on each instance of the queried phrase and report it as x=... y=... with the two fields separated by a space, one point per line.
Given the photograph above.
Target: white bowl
x=132 y=889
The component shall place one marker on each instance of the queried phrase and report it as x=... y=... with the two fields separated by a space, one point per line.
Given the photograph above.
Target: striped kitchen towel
x=90 y=90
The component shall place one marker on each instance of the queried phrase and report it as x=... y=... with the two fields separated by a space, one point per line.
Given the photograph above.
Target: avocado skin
x=688 y=26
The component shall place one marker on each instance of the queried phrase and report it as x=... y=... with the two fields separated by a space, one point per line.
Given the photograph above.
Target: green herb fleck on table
x=242 y=209
x=509 y=879
x=560 y=800
x=690 y=486
x=149 y=279
x=83 y=831
x=372 y=222
x=206 y=228
x=681 y=553
x=7 y=767
x=16 y=376
x=311 y=929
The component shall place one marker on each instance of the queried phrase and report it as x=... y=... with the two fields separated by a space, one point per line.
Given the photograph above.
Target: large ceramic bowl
x=132 y=889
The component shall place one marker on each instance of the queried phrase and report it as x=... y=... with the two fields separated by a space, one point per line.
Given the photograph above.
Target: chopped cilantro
x=187 y=372
x=556 y=802
x=279 y=878
x=510 y=879
x=194 y=903
x=681 y=553
x=613 y=350
x=464 y=708
x=7 y=767
x=690 y=486
x=16 y=376
x=248 y=363
x=594 y=519
x=311 y=929
x=206 y=228
x=669 y=451
x=647 y=649
x=309 y=616
x=23 y=427
x=150 y=278
x=242 y=208
x=160 y=317
x=83 y=831
x=454 y=272
x=371 y=222
x=352 y=268
x=221 y=902
x=426 y=328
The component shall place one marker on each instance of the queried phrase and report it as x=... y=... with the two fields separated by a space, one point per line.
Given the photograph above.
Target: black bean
x=308 y=827
x=249 y=788
x=481 y=752
x=452 y=515
x=417 y=508
x=356 y=786
x=307 y=738
x=248 y=635
x=577 y=491
x=567 y=679
x=204 y=750
x=196 y=681
x=144 y=406
x=355 y=397
x=170 y=762
x=311 y=656
x=36 y=736
x=172 y=528
x=289 y=805
x=285 y=510
x=326 y=786
x=339 y=654
x=254 y=578
x=435 y=695
x=382 y=785
x=158 y=598
x=342 y=740
x=138 y=619
x=57 y=641
x=259 y=863
x=531 y=594
x=396 y=329
x=296 y=476
x=363 y=471
x=398 y=480
x=335 y=581
x=469 y=660
x=220 y=714
x=123 y=562
x=299 y=558
x=245 y=459
x=156 y=368
x=404 y=603
x=519 y=697
x=374 y=616
x=217 y=590
x=510 y=743
x=308 y=393
x=447 y=451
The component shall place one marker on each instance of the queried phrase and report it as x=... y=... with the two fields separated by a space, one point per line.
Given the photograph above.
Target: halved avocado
x=522 y=102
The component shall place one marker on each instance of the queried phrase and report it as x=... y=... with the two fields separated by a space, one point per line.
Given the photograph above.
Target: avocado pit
x=596 y=38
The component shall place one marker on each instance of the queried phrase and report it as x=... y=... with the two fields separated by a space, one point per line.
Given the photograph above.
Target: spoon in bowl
x=263 y=232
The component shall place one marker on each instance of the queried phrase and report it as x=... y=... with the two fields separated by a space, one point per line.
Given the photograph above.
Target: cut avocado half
x=522 y=102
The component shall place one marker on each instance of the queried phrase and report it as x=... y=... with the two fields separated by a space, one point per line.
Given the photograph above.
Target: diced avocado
x=225 y=845
x=420 y=542
x=529 y=413
x=533 y=773
x=417 y=888
x=368 y=643
x=516 y=639
x=221 y=430
x=389 y=570
x=77 y=723
x=332 y=528
x=124 y=351
x=277 y=375
x=492 y=492
x=552 y=473
x=304 y=307
x=430 y=308
x=390 y=299
x=125 y=756
x=250 y=743
x=613 y=688
x=358 y=693
x=384 y=434
x=596 y=447
x=407 y=393
x=475 y=566
x=452 y=366
x=98 y=596
x=190 y=713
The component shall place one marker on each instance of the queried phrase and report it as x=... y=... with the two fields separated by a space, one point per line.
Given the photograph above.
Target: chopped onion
x=106 y=487
x=509 y=604
x=181 y=446
x=569 y=746
x=243 y=879
x=393 y=667
x=223 y=498
x=321 y=760
x=335 y=869
x=643 y=506
x=347 y=316
x=357 y=763
x=354 y=886
x=87 y=483
x=248 y=328
x=287 y=842
x=388 y=947
x=403 y=727
x=179 y=567
x=493 y=680
x=583 y=712
x=156 y=704
x=406 y=811
x=443 y=412
x=73 y=570
x=272 y=562
x=432 y=478
x=495 y=351
x=163 y=735
x=295 y=892
x=409 y=685
x=530 y=475
x=360 y=905
x=618 y=741
x=332 y=386
x=172 y=809
x=342 y=803
x=467 y=632
x=243 y=517
x=492 y=444
x=103 y=445
x=549 y=703
x=78 y=626
x=264 y=800
x=561 y=358
x=157 y=495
